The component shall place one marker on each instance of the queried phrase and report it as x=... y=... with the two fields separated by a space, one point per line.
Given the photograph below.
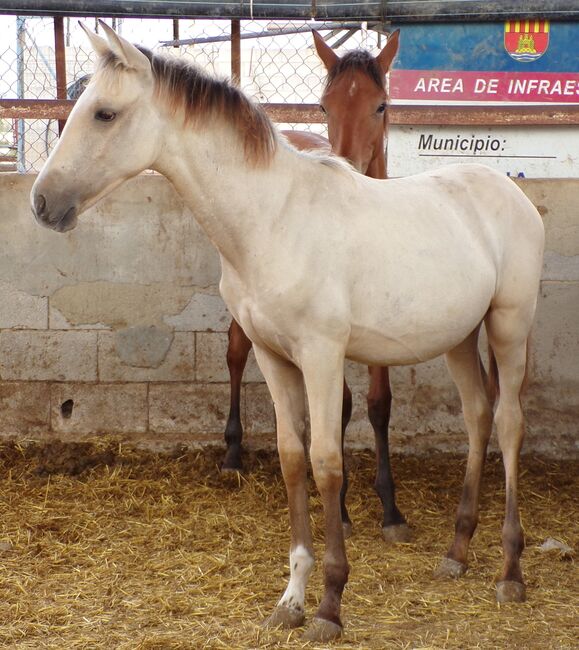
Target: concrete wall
x=122 y=316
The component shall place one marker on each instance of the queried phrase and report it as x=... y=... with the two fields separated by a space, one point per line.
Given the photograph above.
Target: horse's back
x=445 y=244
x=512 y=226
x=464 y=203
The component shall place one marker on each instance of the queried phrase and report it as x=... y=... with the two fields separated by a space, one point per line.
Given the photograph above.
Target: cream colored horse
x=320 y=263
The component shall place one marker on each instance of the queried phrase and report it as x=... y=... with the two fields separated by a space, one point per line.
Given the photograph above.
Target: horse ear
x=126 y=52
x=99 y=45
x=387 y=55
x=325 y=52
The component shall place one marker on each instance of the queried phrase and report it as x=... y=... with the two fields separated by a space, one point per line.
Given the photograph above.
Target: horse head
x=112 y=134
x=355 y=101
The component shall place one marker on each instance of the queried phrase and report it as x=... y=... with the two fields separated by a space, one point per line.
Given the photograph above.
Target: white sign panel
x=547 y=153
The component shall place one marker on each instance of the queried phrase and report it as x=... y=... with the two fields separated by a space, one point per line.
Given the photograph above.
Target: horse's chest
x=259 y=324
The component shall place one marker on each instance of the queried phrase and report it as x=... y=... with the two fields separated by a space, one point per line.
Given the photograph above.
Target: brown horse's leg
x=346 y=415
x=394 y=526
x=465 y=368
x=237 y=353
x=286 y=386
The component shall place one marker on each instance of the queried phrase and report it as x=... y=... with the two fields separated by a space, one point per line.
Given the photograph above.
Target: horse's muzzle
x=59 y=220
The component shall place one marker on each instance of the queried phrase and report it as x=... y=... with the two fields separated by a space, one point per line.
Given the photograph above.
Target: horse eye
x=322 y=109
x=381 y=108
x=105 y=116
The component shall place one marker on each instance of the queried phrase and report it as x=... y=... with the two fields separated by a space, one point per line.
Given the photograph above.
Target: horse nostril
x=39 y=204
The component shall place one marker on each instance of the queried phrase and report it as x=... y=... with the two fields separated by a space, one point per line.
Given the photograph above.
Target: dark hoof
x=285 y=617
x=509 y=591
x=226 y=469
x=347 y=527
x=322 y=631
x=232 y=460
x=449 y=568
x=397 y=534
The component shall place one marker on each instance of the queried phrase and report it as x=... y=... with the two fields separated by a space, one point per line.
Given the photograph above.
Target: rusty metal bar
x=412 y=115
x=484 y=116
x=409 y=115
x=236 y=52
x=60 y=57
x=35 y=109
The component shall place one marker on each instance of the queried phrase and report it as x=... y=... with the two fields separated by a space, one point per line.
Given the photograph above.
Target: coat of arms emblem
x=526 y=40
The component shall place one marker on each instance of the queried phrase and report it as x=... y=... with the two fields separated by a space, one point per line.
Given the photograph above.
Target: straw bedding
x=103 y=546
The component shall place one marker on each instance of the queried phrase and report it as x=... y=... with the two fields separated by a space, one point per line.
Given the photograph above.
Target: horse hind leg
x=394 y=526
x=237 y=352
x=465 y=368
x=508 y=331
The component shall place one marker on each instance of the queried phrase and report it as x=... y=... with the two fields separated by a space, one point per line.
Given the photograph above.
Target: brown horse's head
x=355 y=102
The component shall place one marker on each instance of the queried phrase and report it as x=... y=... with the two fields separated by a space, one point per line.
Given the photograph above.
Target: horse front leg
x=323 y=370
x=237 y=353
x=285 y=384
x=394 y=526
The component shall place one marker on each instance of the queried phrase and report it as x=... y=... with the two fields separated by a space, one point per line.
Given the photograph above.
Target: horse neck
x=377 y=166
x=236 y=203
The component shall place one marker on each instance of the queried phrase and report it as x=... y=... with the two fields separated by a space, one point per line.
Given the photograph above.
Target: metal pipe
x=399 y=11
x=283 y=31
x=20 y=46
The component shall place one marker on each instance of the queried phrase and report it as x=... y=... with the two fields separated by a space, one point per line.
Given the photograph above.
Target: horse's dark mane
x=199 y=96
x=358 y=61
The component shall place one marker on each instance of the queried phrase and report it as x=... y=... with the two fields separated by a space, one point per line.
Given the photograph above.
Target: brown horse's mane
x=187 y=88
x=358 y=61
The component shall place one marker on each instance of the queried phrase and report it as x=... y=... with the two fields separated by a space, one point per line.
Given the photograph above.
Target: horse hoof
x=322 y=631
x=228 y=470
x=449 y=568
x=397 y=533
x=285 y=617
x=347 y=527
x=232 y=461
x=509 y=591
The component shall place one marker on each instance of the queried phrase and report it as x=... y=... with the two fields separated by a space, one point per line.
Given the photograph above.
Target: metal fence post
x=20 y=46
x=60 y=58
x=236 y=52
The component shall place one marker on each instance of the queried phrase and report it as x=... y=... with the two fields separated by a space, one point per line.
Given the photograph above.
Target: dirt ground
x=104 y=546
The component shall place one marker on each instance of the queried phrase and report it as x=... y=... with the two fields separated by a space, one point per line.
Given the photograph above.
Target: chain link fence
x=278 y=64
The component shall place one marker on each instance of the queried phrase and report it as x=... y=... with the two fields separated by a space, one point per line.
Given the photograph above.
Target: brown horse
x=355 y=103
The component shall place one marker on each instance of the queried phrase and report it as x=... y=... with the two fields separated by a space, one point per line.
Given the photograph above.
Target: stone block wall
x=117 y=328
